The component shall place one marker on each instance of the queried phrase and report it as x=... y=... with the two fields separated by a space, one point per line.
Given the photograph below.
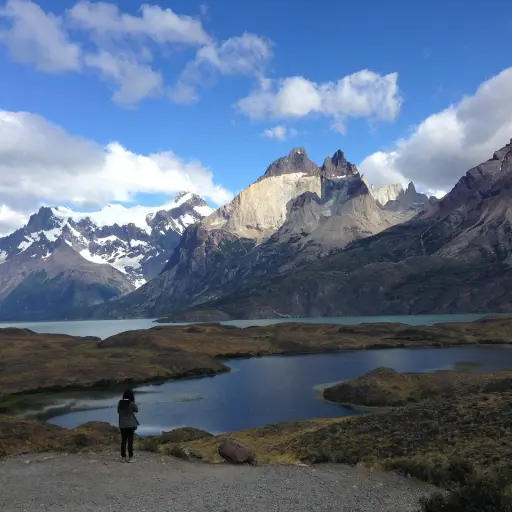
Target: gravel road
x=80 y=483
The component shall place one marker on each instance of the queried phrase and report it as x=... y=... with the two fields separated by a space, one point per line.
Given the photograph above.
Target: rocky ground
x=156 y=483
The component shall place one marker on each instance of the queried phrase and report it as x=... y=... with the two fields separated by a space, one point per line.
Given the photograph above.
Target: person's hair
x=128 y=395
x=128 y=398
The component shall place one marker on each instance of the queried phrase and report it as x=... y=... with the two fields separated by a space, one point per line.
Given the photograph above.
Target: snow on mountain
x=140 y=216
x=134 y=240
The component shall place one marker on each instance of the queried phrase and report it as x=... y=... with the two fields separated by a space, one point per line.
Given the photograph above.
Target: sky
x=131 y=102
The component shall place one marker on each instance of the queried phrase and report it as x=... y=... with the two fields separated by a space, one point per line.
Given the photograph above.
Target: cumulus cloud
x=247 y=55
x=10 y=220
x=122 y=46
x=123 y=54
x=134 y=80
x=447 y=144
x=161 y=25
x=33 y=36
x=362 y=94
x=280 y=132
x=42 y=163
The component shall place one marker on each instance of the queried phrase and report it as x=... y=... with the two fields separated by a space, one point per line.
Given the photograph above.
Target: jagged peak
x=337 y=165
x=411 y=188
x=296 y=161
x=299 y=151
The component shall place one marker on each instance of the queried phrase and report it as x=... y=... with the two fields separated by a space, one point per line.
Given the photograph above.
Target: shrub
x=81 y=440
x=475 y=495
x=149 y=444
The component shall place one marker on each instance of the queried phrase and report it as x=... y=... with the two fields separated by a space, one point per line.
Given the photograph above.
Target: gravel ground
x=100 y=483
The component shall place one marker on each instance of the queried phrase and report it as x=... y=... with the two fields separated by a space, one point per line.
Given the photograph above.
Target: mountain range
x=303 y=240
x=453 y=256
x=62 y=261
x=294 y=214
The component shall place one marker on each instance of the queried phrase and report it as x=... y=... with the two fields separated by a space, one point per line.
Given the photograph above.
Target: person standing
x=128 y=423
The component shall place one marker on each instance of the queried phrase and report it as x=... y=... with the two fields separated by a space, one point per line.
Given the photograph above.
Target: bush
x=81 y=440
x=149 y=444
x=475 y=495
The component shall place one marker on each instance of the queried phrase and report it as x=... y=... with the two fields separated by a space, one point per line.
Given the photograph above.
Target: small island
x=384 y=387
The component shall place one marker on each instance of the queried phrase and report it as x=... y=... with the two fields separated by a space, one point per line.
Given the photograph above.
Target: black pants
x=127 y=438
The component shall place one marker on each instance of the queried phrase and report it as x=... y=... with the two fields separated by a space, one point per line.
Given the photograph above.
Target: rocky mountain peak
x=338 y=166
x=296 y=161
x=136 y=241
x=43 y=220
x=181 y=194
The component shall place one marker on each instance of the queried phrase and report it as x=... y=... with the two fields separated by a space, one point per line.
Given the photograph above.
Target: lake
x=262 y=390
x=105 y=328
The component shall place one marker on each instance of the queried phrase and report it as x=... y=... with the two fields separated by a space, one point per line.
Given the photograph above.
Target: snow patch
x=3 y=257
x=138 y=282
x=106 y=239
x=187 y=219
x=53 y=234
x=138 y=243
x=124 y=262
x=204 y=210
x=85 y=253
x=23 y=246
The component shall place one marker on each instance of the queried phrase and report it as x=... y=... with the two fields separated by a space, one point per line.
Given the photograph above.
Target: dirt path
x=100 y=483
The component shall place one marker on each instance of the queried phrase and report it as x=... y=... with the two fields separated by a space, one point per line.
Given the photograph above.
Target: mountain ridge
x=308 y=212
x=88 y=257
x=454 y=257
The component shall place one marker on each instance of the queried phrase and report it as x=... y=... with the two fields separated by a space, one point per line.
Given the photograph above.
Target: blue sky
x=392 y=83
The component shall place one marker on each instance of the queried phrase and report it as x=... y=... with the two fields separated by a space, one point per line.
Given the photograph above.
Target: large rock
x=235 y=453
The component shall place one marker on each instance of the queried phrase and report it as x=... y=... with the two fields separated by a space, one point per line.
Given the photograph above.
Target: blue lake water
x=263 y=390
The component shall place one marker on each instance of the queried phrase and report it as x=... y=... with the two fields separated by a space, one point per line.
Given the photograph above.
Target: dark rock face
x=235 y=453
x=296 y=161
x=337 y=166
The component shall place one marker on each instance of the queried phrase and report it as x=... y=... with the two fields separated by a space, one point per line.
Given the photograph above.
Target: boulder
x=235 y=453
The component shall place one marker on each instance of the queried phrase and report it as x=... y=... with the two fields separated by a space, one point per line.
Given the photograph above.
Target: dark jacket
x=126 y=410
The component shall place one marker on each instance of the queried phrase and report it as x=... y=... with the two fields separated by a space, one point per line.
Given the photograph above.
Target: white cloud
x=120 y=38
x=33 y=36
x=159 y=25
x=447 y=144
x=124 y=45
x=247 y=55
x=135 y=80
x=362 y=94
x=280 y=132
x=42 y=163
x=10 y=220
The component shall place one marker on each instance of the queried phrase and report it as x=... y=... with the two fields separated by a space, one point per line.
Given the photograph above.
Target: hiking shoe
x=131 y=459
x=122 y=459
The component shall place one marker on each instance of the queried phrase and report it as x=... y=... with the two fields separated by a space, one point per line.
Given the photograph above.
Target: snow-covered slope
x=136 y=240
